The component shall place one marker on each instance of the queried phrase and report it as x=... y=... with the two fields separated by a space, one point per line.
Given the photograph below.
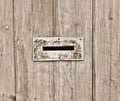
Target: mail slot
x=57 y=48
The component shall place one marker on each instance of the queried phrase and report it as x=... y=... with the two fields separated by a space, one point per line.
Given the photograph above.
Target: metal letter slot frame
x=57 y=48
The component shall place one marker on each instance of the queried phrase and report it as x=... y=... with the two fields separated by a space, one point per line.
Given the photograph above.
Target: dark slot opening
x=58 y=48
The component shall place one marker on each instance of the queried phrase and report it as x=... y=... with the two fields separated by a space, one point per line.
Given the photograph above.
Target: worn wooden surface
x=48 y=81
x=97 y=78
x=106 y=50
x=34 y=80
x=74 y=79
x=33 y=18
x=7 y=77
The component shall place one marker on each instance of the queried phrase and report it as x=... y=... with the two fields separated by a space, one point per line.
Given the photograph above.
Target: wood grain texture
x=7 y=77
x=21 y=79
x=43 y=27
x=115 y=50
x=73 y=80
x=52 y=81
x=23 y=47
x=107 y=50
x=33 y=18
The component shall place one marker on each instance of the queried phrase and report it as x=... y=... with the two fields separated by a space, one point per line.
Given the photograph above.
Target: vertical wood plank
x=115 y=50
x=23 y=48
x=7 y=72
x=107 y=50
x=33 y=18
x=43 y=27
x=73 y=79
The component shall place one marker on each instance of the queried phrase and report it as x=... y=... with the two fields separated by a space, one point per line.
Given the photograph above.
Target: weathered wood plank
x=115 y=50
x=43 y=27
x=23 y=47
x=7 y=72
x=73 y=80
x=33 y=18
x=107 y=50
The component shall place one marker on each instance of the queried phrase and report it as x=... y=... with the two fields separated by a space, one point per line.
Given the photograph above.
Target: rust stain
x=44 y=55
x=38 y=53
x=72 y=41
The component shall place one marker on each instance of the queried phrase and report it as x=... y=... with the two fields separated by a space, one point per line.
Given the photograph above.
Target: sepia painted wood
x=23 y=36
x=107 y=50
x=52 y=81
x=7 y=72
x=114 y=17
x=43 y=71
x=63 y=80
x=73 y=80
x=34 y=81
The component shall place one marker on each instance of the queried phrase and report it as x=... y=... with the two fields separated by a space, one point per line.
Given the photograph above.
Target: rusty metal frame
x=40 y=55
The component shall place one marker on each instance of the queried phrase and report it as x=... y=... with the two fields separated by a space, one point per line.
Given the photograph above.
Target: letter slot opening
x=58 y=48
